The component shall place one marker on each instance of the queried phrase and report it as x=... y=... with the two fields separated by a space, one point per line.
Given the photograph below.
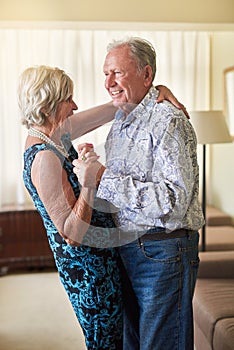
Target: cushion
x=213 y=301
x=218 y=264
x=215 y=217
x=219 y=238
x=224 y=334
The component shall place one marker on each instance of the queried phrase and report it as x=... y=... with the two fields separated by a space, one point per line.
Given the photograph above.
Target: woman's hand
x=87 y=167
x=166 y=94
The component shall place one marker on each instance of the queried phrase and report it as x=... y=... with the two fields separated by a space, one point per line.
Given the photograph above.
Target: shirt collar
x=146 y=104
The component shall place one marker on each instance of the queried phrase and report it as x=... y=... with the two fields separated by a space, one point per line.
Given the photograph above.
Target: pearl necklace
x=36 y=133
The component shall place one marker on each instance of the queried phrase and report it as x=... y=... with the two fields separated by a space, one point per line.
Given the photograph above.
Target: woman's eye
x=69 y=99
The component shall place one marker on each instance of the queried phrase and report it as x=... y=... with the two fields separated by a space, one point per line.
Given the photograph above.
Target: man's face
x=124 y=82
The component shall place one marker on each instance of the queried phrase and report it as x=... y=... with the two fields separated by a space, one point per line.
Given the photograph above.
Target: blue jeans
x=159 y=281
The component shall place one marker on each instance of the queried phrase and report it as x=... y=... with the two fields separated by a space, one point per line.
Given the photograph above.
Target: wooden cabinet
x=23 y=240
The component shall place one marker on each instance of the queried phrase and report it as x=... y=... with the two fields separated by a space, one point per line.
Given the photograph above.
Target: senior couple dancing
x=125 y=234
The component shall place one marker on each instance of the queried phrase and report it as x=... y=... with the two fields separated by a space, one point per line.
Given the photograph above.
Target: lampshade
x=210 y=127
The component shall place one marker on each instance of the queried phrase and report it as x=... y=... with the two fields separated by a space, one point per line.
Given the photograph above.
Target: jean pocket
x=165 y=251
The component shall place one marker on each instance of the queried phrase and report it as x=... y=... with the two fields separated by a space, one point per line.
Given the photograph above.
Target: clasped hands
x=87 y=167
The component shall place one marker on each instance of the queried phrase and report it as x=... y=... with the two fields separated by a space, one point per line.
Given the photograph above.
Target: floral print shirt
x=152 y=174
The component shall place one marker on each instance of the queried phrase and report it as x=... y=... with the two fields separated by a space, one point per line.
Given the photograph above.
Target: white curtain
x=183 y=64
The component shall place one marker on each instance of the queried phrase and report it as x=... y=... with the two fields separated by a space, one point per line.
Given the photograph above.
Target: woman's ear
x=43 y=111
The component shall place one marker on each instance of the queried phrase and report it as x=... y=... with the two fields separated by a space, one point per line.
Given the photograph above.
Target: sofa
x=219 y=230
x=214 y=293
x=214 y=301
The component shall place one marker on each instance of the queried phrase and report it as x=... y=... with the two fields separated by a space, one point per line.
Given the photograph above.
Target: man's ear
x=147 y=75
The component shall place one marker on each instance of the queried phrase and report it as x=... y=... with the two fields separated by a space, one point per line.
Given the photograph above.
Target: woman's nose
x=74 y=105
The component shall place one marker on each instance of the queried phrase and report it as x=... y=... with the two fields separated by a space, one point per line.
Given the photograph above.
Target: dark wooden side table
x=23 y=240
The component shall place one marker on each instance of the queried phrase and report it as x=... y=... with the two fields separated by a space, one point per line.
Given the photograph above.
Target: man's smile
x=114 y=93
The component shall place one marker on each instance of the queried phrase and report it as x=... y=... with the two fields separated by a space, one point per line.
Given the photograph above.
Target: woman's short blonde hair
x=42 y=87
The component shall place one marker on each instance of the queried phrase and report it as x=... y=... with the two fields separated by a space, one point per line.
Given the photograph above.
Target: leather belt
x=160 y=235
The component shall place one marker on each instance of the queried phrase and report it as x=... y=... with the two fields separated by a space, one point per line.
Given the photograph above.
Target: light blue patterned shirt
x=152 y=174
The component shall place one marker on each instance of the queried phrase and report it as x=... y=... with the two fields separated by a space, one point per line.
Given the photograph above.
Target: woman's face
x=64 y=110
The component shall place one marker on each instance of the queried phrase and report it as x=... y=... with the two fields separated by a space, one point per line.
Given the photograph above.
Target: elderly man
x=152 y=177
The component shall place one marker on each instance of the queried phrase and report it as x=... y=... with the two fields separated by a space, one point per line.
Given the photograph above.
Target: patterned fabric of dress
x=90 y=273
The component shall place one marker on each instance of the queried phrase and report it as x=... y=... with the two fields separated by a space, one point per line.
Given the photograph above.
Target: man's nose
x=110 y=81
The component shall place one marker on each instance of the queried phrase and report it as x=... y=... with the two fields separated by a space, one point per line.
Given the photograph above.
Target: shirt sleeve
x=164 y=197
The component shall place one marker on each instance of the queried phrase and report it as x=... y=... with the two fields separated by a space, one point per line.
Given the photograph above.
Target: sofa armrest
x=218 y=264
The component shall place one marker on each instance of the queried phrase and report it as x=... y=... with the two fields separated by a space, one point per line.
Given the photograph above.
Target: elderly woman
x=89 y=272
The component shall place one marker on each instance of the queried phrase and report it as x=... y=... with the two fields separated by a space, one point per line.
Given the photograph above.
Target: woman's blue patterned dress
x=90 y=275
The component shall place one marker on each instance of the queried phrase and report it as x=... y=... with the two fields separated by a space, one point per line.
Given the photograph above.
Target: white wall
x=196 y=11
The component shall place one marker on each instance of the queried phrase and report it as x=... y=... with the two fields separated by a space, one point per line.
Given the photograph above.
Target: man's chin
x=118 y=103
x=126 y=106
